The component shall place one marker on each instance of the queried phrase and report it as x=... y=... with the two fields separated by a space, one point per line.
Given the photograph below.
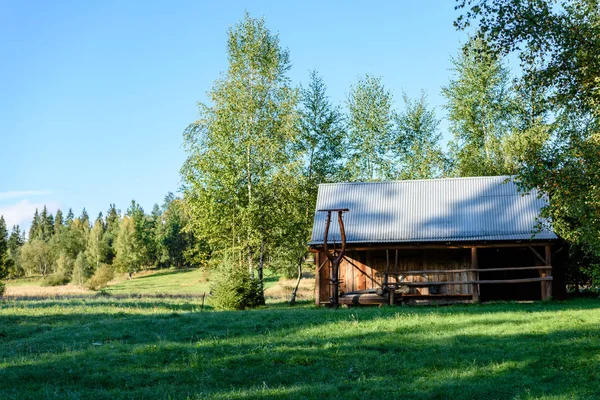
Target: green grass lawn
x=27 y=281
x=103 y=348
x=170 y=282
x=184 y=281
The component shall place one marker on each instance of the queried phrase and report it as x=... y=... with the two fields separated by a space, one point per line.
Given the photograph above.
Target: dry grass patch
x=283 y=289
x=44 y=291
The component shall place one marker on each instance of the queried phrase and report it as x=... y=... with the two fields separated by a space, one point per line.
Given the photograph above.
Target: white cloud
x=22 y=212
x=19 y=194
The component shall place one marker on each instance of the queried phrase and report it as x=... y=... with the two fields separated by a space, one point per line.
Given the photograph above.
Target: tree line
x=66 y=249
x=261 y=145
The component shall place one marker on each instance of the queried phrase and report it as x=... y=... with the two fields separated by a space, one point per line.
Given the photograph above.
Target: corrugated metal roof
x=454 y=209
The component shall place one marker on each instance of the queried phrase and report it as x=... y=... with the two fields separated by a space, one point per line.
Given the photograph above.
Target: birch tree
x=480 y=107
x=417 y=148
x=240 y=146
x=371 y=131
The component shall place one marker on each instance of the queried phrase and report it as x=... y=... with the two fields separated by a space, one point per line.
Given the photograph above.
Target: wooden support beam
x=475 y=276
x=538 y=255
x=547 y=286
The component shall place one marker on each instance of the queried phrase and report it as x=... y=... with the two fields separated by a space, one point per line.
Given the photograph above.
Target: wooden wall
x=364 y=270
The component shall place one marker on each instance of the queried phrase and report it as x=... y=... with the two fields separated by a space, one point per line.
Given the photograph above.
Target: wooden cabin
x=437 y=241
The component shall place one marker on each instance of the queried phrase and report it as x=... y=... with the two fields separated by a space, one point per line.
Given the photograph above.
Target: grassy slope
x=187 y=281
x=174 y=282
x=156 y=348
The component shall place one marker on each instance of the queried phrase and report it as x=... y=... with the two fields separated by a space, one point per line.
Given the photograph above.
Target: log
x=480 y=282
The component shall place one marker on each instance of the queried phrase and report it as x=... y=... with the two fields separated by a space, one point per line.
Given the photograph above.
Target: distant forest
x=261 y=146
x=66 y=248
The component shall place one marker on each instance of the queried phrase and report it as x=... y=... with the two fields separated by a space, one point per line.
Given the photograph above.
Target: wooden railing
x=391 y=287
x=471 y=281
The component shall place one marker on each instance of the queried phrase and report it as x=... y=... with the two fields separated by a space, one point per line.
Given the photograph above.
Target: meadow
x=110 y=347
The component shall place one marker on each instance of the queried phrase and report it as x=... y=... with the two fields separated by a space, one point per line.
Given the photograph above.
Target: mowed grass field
x=161 y=348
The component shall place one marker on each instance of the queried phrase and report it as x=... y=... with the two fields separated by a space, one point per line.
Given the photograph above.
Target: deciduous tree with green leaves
x=481 y=111
x=558 y=44
x=417 y=149
x=241 y=147
x=97 y=246
x=36 y=257
x=129 y=250
x=371 y=131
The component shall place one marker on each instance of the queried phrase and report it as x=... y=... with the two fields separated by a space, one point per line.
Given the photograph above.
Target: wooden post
x=475 y=265
x=318 y=279
x=336 y=257
x=546 y=286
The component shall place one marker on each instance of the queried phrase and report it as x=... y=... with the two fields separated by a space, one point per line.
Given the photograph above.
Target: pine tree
x=85 y=218
x=6 y=262
x=112 y=230
x=15 y=242
x=47 y=224
x=154 y=245
x=100 y=218
x=70 y=217
x=58 y=222
x=35 y=229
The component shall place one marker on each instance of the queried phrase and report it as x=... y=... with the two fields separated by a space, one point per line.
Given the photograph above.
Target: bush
x=232 y=288
x=2 y=288
x=101 y=277
x=57 y=279
x=81 y=270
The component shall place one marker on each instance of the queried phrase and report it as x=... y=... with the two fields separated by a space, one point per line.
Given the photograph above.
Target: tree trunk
x=261 y=259
x=295 y=291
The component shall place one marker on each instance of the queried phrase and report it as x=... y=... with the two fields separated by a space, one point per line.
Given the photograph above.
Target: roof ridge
x=419 y=180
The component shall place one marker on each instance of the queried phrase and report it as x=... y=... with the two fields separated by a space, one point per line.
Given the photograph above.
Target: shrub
x=56 y=279
x=101 y=277
x=81 y=270
x=2 y=288
x=232 y=288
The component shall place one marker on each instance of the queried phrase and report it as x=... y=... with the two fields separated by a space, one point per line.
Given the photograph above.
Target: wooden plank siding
x=365 y=269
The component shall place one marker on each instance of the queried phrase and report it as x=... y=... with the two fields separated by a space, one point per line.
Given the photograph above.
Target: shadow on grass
x=488 y=351
x=166 y=273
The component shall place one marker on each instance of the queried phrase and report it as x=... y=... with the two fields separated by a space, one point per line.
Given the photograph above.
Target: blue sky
x=95 y=95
